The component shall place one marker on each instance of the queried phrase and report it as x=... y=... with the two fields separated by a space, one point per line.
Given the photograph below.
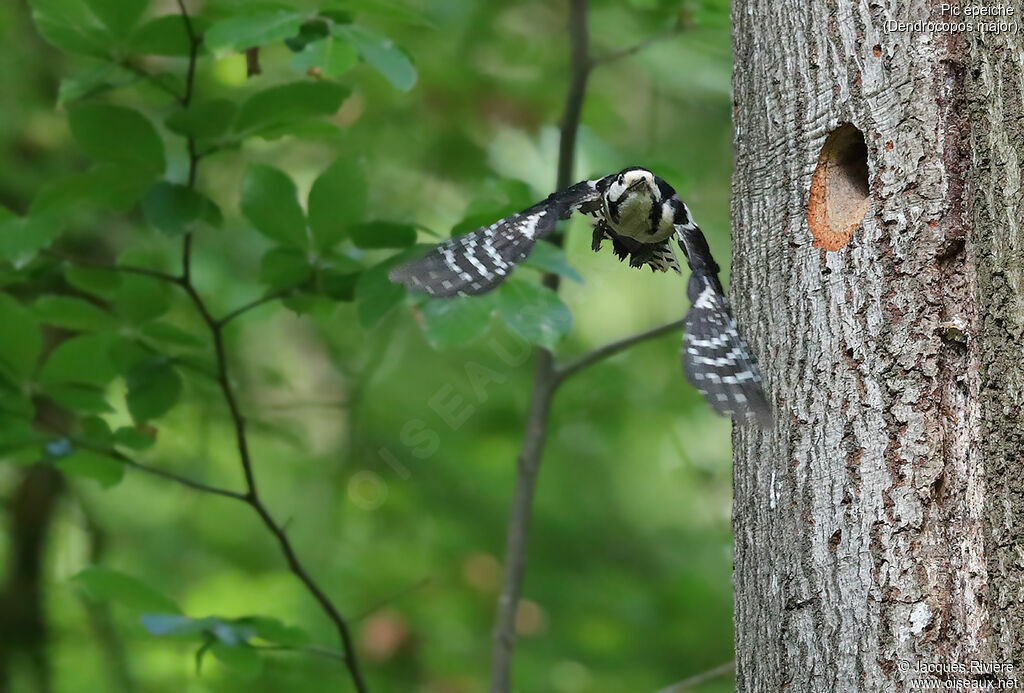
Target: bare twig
x=255 y=303
x=703 y=677
x=613 y=348
x=547 y=376
x=127 y=269
x=545 y=381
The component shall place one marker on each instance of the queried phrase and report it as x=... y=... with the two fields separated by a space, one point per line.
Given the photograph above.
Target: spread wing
x=479 y=261
x=716 y=358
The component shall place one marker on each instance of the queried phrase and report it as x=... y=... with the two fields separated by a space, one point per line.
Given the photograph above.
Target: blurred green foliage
x=384 y=428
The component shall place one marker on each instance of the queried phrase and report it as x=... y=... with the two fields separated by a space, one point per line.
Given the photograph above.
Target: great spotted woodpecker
x=639 y=213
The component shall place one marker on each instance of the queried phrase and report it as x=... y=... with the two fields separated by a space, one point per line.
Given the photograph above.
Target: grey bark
x=878 y=525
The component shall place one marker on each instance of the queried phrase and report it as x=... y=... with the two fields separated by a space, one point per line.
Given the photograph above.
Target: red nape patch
x=838 y=199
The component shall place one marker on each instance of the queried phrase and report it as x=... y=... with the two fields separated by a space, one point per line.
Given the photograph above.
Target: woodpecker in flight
x=639 y=213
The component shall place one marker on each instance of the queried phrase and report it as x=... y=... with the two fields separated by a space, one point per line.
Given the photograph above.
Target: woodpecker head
x=632 y=181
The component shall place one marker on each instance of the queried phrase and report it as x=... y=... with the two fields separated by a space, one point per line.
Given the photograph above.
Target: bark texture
x=878 y=526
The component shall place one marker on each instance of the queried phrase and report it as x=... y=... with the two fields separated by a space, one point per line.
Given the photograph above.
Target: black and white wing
x=716 y=358
x=479 y=261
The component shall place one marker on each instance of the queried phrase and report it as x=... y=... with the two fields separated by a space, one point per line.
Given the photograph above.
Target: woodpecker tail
x=716 y=358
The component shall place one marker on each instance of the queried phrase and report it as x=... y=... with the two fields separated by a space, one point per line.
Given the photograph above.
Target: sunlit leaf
x=79 y=398
x=381 y=53
x=271 y=203
x=333 y=56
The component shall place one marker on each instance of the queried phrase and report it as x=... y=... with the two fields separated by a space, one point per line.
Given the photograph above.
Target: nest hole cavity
x=839 y=198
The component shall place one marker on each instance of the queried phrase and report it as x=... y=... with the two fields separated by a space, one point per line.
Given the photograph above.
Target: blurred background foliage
x=392 y=461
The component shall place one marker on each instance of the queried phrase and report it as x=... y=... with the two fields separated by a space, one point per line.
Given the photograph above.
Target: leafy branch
x=548 y=376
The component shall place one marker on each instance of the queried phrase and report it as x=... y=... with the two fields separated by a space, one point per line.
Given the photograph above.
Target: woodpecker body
x=639 y=213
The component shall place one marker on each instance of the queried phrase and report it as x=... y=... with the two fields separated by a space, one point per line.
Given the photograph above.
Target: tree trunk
x=878 y=525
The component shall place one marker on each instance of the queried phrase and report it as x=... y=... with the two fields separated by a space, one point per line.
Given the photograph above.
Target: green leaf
x=18 y=433
x=288 y=103
x=548 y=257
x=92 y=465
x=22 y=237
x=84 y=360
x=133 y=438
x=454 y=321
x=99 y=282
x=252 y=29
x=240 y=659
x=310 y=31
x=103 y=585
x=97 y=79
x=336 y=201
x=175 y=624
x=534 y=312
x=167 y=334
x=381 y=53
x=333 y=56
x=154 y=386
x=106 y=186
x=70 y=26
x=20 y=339
x=387 y=10
x=203 y=120
x=73 y=314
x=166 y=35
x=82 y=399
x=375 y=295
x=271 y=203
x=272 y=630
x=383 y=234
x=172 y=208
x=283 y=267
x=117 y=134
x=119 y=16
x=141 y=299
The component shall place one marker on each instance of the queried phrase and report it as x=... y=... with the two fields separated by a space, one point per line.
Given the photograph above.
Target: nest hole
x=839 y=198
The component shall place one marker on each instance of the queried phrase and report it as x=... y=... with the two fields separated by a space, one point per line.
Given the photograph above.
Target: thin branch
x=176 y=478
x=127 y=269
x=303 y=649
x=267 y=298
x=216 y=328
x=703 y=677
x=545 y=382
x=152 y=79
x=635 y=48
x=612 y=348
